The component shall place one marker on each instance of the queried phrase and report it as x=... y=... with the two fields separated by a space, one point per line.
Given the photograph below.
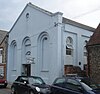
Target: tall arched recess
x=43 y=51
x=26 y=54
x=13 y=54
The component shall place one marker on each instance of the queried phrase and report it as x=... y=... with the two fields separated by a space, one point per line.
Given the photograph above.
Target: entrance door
x=26 y=69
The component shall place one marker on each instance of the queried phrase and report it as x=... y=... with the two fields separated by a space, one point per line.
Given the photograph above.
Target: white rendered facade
x=37 y=44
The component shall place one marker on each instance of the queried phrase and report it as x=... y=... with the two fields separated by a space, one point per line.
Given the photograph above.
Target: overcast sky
x=83 y=11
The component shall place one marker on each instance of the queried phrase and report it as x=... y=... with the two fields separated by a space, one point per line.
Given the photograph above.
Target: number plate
x=1 y=83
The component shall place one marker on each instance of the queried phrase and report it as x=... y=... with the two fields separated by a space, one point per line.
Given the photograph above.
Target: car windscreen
x=36 y=80
x=59 y=81
x=88 y=84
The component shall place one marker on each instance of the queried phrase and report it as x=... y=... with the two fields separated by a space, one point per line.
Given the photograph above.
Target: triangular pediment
x=35 y=8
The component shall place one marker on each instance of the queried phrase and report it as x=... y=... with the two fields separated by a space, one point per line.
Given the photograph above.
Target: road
x=5 y=91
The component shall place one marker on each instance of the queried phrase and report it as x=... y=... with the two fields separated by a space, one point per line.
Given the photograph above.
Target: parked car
x=29 y=85
x=3 y=82
x=74 y=85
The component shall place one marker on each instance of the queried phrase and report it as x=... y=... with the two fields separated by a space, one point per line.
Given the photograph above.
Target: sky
x=86 y=12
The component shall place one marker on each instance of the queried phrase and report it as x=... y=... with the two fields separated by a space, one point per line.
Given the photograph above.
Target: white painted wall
x=79 y=36
x=32 y=27
x=37 y=23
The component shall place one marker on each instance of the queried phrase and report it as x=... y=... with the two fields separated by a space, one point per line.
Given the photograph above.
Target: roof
x=95 y=38
x=2 y=35
x=74 y=23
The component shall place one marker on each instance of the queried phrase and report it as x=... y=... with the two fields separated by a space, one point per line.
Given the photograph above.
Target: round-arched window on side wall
x=69 y=46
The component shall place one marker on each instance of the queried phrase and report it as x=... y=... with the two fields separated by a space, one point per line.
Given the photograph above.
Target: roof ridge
x=40 y=9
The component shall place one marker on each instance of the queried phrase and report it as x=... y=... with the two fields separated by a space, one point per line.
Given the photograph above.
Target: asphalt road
x=5 y=91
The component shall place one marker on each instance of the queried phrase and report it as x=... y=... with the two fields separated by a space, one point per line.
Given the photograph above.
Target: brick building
x=93 y=48
x=3 y=52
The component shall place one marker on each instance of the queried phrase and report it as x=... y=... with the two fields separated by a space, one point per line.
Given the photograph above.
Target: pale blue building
x=41 y=43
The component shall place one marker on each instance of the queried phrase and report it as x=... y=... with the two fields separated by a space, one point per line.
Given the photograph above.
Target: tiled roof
x=95 y=38
x=2 y=35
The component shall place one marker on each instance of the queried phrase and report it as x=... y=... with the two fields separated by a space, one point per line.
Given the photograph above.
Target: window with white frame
x=1 y=54
x=68 y=51
x=85 y=51
x=69 y=46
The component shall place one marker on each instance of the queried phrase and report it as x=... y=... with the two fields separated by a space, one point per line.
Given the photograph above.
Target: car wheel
x=13 y=90
x=31 y=92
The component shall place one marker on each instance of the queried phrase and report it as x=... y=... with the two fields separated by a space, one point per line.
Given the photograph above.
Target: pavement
x=9 y=85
